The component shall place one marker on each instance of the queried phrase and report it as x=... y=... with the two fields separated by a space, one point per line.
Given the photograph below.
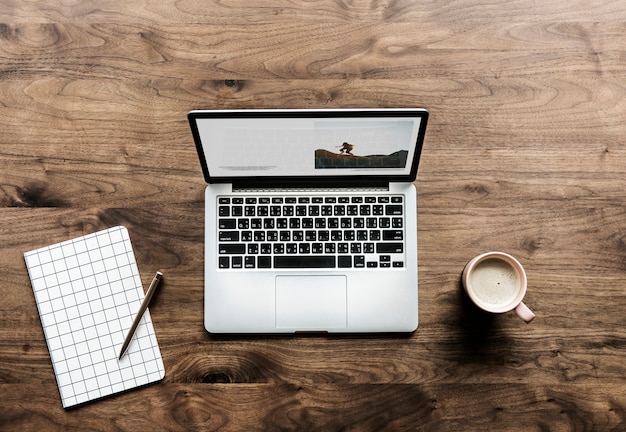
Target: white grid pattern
x=88 y=291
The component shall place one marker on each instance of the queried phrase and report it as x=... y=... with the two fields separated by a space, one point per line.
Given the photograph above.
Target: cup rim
x=511 y=260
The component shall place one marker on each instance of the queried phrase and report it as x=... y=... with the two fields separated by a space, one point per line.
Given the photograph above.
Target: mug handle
x=524 y=313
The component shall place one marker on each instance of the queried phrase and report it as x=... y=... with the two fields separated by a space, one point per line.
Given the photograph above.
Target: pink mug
x=496 y=282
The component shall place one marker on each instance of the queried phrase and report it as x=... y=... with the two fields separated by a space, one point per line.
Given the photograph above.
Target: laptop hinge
x=310 y=189
x=295 y=184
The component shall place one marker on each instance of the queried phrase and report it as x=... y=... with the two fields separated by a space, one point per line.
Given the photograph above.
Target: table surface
x=525 y=153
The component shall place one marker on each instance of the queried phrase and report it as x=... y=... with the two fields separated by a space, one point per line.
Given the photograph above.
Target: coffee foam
x=495 y=282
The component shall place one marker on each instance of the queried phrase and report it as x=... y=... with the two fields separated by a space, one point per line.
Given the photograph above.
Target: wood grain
x=525 y=153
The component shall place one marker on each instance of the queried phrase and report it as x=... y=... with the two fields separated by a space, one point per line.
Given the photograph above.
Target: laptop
x=310 y=219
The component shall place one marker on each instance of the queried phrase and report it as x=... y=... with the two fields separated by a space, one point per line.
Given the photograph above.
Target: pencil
x=142 y=309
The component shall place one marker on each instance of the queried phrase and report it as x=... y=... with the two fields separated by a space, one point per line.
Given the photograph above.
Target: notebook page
x=88 y=291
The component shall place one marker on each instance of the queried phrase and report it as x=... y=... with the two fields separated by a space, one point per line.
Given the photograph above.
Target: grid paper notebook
x=88 y=291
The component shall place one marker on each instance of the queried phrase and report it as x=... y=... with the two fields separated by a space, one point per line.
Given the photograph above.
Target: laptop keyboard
x=292 y=232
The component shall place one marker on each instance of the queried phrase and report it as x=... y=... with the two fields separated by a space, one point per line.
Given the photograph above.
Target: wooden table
x=525 y=153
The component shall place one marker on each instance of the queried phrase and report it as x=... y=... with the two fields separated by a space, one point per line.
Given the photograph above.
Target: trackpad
x=311 y=302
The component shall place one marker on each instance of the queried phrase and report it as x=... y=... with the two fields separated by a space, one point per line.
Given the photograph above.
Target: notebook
x=88 y=291
x=310 y=219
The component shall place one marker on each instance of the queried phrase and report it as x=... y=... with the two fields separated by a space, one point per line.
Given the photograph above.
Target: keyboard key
x=243 y=224
x=237 y=262
x=392 y=235
x=309 y=261
x=344 y=261
x=227 y=223
x=385 y=248
x=398 y=264
x=249 y=262
x=229 y=236
x=232 y=248
x=393 y=210
x=264 y=262
x=224 y=262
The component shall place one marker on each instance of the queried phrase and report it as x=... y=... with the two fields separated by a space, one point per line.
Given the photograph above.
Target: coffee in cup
x=496 y=282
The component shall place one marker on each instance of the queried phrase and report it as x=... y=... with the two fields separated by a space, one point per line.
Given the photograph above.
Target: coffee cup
x=496 y=282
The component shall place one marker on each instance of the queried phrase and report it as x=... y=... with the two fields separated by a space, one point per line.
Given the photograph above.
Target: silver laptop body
x=310 y=219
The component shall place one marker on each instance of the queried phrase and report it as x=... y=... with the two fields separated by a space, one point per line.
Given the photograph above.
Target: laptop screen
x=309 y=143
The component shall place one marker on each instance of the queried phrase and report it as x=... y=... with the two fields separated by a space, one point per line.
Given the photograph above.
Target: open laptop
x=310 y=219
